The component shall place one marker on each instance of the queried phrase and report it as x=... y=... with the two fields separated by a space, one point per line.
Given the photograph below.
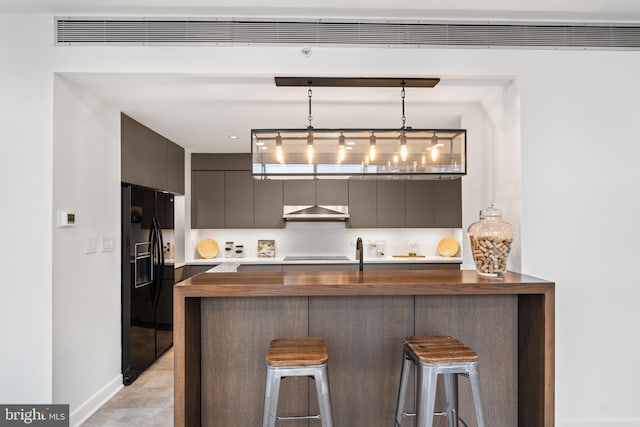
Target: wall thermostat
x=66 y=219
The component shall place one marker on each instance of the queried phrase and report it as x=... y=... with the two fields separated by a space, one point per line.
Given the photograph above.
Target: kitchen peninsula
x=224 y=322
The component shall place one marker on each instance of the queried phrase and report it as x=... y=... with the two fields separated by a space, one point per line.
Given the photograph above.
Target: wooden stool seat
x=297 y=357
x=439 y=349
x=308 y=351
x=433 y=356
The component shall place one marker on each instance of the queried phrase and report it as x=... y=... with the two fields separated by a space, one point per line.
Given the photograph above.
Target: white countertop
x=280 y=260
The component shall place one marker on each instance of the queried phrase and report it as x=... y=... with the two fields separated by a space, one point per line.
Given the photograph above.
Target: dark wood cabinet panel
x=299 y=192
x=143 y=156
x=245 y=339
x=447 y=199
x=207 y=199
x=419 y=204
x=200 y=268
x=221 y=161
x=149 y=159
x=364 y=340
x=390 y=204
x=380 y=267
x=238 y=199
x=267 y=204
x=362 y=204
x=443 y=266
x=175 y=168
x=332 y=192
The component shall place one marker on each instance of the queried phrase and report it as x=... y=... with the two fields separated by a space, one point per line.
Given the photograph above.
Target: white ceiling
x=199 y=112
x=599 y=10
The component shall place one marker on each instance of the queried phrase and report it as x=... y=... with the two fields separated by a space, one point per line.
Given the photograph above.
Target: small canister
x=228 y=250
x=491 y=239
x=239 y=251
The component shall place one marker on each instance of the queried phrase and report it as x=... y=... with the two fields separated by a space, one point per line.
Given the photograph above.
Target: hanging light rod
x=357 y=81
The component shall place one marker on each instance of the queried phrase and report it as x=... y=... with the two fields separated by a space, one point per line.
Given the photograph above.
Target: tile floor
x=148 y=402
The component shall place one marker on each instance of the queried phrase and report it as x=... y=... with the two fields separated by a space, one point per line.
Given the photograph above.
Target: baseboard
x=94 y=403
x=598 y=422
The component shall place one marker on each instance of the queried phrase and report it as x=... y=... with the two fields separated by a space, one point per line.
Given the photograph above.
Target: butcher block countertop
x=342 y=283
x=223 y=323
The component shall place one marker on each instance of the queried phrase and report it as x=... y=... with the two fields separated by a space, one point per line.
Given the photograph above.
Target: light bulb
x=403 y=152
x=434 y=154
x=279 y=155
x=310 y=147
x=423 y=160
x=341 y=151
x=310 y=153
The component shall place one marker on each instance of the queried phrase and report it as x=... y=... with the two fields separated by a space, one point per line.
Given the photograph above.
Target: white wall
x=578 y=206
x=86 y=289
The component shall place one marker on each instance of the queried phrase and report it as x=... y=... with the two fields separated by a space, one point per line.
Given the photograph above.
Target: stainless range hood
x=315 y=213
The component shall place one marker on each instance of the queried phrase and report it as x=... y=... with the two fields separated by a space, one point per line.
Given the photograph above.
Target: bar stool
x=433 y=356
x=297 y=357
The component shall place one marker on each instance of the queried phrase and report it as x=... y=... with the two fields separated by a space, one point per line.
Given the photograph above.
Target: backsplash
x=327 y=238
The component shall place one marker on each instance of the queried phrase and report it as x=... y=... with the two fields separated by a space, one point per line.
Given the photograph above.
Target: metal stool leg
x=451 y=393
x=402 y=393
x=426 y=399
x=324 y=397
x=271 y=392
x=474 y=378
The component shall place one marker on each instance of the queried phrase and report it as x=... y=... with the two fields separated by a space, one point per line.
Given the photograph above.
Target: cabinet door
x=390 y=204
x=267 y=205
x=332 y=192
x=362 y=204
x=300 y=192
x=442 y=266
x=419 y=204
x=447 y=199
x=238 y=199
x=175 y=168
x=199 y=268
x=143 y=155
x=319 y=267
x=207 y=199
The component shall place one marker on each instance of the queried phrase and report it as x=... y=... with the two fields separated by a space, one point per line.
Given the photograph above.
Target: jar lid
x=491 y=212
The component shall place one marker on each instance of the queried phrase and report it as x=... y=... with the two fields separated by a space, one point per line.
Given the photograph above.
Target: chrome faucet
x=359 y=251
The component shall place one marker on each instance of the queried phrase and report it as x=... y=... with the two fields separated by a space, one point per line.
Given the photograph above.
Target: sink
x=316 y=258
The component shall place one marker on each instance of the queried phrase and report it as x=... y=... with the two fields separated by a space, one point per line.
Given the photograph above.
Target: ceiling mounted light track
x=358 y=81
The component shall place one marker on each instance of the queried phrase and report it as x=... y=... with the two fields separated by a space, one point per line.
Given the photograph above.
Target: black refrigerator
x=147 y=281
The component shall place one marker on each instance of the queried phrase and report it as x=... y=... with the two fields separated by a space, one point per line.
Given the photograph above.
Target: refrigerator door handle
x=160 y=257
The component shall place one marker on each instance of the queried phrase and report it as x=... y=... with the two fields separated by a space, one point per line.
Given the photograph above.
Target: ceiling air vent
x=218 y=31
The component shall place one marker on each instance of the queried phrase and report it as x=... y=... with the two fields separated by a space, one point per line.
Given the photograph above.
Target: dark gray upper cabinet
x=390 y=202
x=419 y=204
x=149 y=159
x=207 y=199
x=447 y=199
x=332 y=192
x=362 y=204
x=300 y=192
x=221 y=161
x=267 y=204
x=175 y=168
x=238 y=199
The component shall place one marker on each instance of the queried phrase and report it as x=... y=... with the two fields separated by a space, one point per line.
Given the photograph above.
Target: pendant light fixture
x=404 y=151
x=342 y=153
x=310 y=130
x=372 y=147
x=307 y=152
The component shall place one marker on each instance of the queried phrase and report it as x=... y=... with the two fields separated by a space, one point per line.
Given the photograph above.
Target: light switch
x=91 y=245
x=108 y=244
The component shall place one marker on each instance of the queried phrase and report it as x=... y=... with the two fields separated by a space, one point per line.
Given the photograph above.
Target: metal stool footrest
x=298 y=417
